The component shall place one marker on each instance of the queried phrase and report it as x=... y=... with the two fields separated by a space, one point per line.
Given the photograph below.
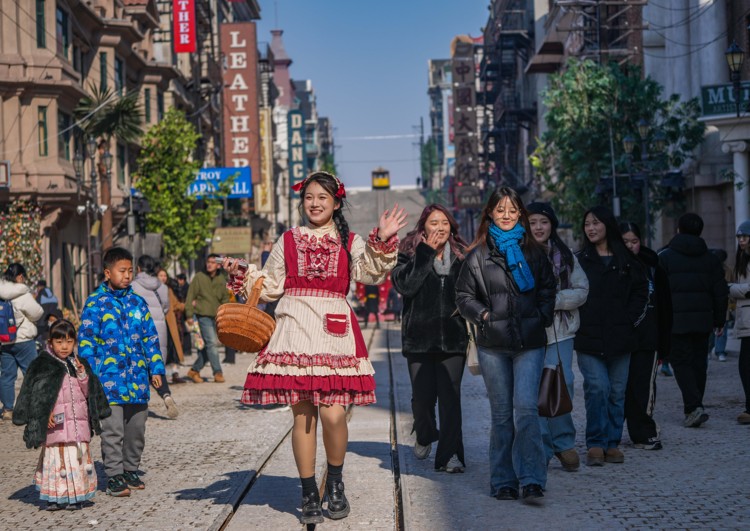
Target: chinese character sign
x=464 y=116
x=184 y=26
x=264 y=197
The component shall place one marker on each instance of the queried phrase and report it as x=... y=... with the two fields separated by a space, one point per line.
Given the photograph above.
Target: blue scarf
x=507 y=242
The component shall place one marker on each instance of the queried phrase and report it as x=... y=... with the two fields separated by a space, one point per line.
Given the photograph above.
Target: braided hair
x=330 y=185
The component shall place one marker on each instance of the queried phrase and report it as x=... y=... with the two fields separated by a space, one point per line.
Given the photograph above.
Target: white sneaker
x=171 y=407
x=454 y=466
x=422 y=452
x=722 y=357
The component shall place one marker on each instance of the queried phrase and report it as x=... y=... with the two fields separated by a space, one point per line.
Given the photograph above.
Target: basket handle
x=254 y=297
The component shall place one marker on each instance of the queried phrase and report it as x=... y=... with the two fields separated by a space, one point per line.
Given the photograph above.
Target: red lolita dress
x=317 y=351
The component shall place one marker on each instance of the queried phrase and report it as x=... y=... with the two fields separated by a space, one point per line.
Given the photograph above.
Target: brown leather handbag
x=554 y=400
x=244 y=327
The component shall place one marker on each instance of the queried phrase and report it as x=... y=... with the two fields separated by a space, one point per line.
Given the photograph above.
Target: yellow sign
x=264 y=192
x=232 y=240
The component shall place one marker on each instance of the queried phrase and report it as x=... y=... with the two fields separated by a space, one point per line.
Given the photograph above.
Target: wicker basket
x=244 y=327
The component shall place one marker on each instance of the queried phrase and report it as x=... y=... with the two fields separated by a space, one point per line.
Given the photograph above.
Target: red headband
x=340 y=192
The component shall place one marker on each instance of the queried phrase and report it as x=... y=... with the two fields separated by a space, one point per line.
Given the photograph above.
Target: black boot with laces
x=338 y=505
x=312 y=512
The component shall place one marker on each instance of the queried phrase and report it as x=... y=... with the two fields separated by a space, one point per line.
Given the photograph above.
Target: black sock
x=335 y=473
x=308 y=486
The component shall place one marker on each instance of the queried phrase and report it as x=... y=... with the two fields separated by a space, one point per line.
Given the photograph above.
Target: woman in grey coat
x=156 y=295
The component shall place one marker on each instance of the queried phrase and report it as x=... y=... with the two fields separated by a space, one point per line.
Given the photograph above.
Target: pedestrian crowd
x=624 y=309
x=516 y=292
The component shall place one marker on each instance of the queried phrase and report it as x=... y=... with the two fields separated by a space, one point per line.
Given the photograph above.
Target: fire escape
x=601 y=30
x=508 y=109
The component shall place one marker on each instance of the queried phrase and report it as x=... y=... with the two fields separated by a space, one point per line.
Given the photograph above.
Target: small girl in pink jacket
x=58 y=396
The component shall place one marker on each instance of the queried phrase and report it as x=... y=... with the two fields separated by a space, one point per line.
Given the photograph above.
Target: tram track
x=273 y=450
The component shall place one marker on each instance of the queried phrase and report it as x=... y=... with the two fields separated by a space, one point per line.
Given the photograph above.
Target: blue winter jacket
x=119 y=340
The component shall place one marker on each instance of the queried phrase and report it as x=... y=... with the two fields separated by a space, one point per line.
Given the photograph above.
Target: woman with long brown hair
x=433 y=336
x=316 y=360
x=507 y=288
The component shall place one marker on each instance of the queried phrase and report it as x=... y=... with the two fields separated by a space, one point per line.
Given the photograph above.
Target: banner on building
x=297 y=157
x=240 y=97
x=264 y=191
x=208 y=180
x=184 y=26
x=464 y=116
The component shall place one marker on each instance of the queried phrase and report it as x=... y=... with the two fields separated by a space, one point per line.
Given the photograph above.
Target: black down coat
x=656 y=329
x=430 y=323
x=616 y=305
x=696 y=279
x=38 y=395
x=517 y=321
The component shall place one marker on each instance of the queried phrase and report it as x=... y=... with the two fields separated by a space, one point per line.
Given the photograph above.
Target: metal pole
x=615 y=199
x=89 y=264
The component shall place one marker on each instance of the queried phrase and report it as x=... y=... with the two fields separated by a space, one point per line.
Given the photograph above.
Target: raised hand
x=391 y=221
x=434 y=240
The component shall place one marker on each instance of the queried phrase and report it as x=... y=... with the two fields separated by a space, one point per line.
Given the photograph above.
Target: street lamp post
x=735 y=57
x=643 y=170
x=91 y=204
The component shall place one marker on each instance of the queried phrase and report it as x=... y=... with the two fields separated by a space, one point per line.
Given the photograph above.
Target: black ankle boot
x=338 y=506
x=312 y=512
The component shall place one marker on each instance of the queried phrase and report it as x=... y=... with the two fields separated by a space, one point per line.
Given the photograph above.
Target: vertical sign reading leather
x=464 y=114
x=240 y=97
x=264 y=197
x=297 y=158
x=184 y=26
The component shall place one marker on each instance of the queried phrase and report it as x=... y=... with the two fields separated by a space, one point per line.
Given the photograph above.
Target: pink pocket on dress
x=337 y=324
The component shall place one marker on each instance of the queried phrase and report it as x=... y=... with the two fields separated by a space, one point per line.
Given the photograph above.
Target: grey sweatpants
x=123 y=438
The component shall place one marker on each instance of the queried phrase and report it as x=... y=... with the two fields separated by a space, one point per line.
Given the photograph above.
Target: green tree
x=106 y=114
x=166 y=169
x=429 y=160
x=329 y=164
x=586 y=103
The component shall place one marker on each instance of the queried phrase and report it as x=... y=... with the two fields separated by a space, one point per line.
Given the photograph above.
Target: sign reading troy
x=208 y=180
x=240 y=97
x=297 y=158
x=184 y=26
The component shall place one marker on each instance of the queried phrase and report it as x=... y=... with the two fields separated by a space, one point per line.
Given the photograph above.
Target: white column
x=741 y=181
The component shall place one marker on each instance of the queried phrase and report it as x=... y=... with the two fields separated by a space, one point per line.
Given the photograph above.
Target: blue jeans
x=720 y=342
x=559 y=433
x=604 y=384
x=13 y=357
x=209 y=353
x=516 y=452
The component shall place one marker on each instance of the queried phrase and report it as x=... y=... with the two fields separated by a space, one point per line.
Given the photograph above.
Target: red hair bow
x=340 y=192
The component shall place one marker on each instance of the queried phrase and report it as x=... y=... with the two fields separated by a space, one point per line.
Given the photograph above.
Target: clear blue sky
x=368 y=65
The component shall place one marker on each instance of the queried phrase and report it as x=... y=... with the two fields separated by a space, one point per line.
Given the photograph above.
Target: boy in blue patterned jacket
x=118 y=338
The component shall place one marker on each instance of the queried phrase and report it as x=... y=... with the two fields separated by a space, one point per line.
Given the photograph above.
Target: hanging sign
x=184 y=26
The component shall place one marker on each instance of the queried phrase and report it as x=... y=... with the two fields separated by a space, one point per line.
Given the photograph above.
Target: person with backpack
x=49 y=303
x=18 y=313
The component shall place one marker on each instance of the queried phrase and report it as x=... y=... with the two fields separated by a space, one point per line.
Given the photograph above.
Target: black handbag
x=554 y=400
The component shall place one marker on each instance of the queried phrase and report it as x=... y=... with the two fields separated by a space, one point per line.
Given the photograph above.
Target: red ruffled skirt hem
x=290 y=396
x=326 y=384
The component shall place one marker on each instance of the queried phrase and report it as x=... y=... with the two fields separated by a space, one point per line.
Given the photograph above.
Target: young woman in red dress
x=316 y=360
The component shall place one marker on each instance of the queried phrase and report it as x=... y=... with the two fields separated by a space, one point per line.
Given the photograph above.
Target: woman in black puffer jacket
x=616 y=305
x=507 y=288
x=433 y=335
x=653 y=344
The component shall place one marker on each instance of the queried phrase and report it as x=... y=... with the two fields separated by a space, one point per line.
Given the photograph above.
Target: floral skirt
x=61 y=478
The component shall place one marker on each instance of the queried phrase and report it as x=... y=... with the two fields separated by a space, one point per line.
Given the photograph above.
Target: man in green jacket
x=207 y=291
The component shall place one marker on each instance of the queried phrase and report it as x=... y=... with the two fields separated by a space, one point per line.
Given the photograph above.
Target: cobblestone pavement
x=698 y=481
x=194 y=466
x=197 y=466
